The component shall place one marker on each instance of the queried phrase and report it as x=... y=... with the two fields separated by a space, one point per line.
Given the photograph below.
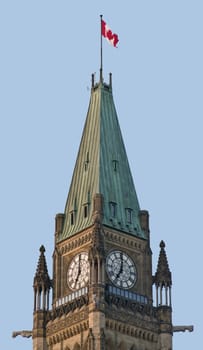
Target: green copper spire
x=102 y=168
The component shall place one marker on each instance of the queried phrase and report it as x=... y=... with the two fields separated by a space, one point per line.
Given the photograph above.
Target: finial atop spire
x=101 y=76
x=110 y=80
x=162 y=244
x=42 y=249
x=92 y=81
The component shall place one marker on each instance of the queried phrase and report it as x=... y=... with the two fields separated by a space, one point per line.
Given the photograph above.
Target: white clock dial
x=78 y=271
x=121 y=269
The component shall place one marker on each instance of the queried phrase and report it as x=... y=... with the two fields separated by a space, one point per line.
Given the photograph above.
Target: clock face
x=121 y=269
x=78 y=271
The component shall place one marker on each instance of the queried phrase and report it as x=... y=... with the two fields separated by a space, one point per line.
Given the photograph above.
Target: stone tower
x=102 y=283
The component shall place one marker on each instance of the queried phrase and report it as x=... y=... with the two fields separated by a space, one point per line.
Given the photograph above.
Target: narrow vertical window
x=85 y=210
x=72 y=218
x=112 y=207
x=115 y=165
x=128 y=213
x=87 y=161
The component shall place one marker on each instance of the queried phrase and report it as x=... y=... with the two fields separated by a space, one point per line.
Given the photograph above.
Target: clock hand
x=121 y=262
x=79 y=271
x=121 y=266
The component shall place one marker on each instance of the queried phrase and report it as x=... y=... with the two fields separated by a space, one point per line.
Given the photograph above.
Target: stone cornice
x=66 y=326
x=133 y=319
x=138 y=331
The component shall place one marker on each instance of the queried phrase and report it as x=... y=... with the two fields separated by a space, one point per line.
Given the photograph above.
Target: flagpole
x=101 y=53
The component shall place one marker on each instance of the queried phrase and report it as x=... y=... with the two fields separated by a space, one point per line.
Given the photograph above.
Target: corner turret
x=162 y=279
x=42 y=285
x=163 y=283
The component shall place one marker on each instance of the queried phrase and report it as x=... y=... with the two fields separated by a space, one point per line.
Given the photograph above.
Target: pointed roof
x=163 y=274
x=41 y=278
x=102 y=168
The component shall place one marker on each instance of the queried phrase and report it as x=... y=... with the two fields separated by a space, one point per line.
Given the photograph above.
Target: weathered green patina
x=102 y=167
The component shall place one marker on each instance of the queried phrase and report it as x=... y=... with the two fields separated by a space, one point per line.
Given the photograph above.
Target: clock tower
x=102 y=284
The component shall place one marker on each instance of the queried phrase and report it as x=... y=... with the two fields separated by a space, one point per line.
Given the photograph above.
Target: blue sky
x=49 y=49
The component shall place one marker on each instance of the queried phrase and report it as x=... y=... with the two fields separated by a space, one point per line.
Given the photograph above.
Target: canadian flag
x=107 y=33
